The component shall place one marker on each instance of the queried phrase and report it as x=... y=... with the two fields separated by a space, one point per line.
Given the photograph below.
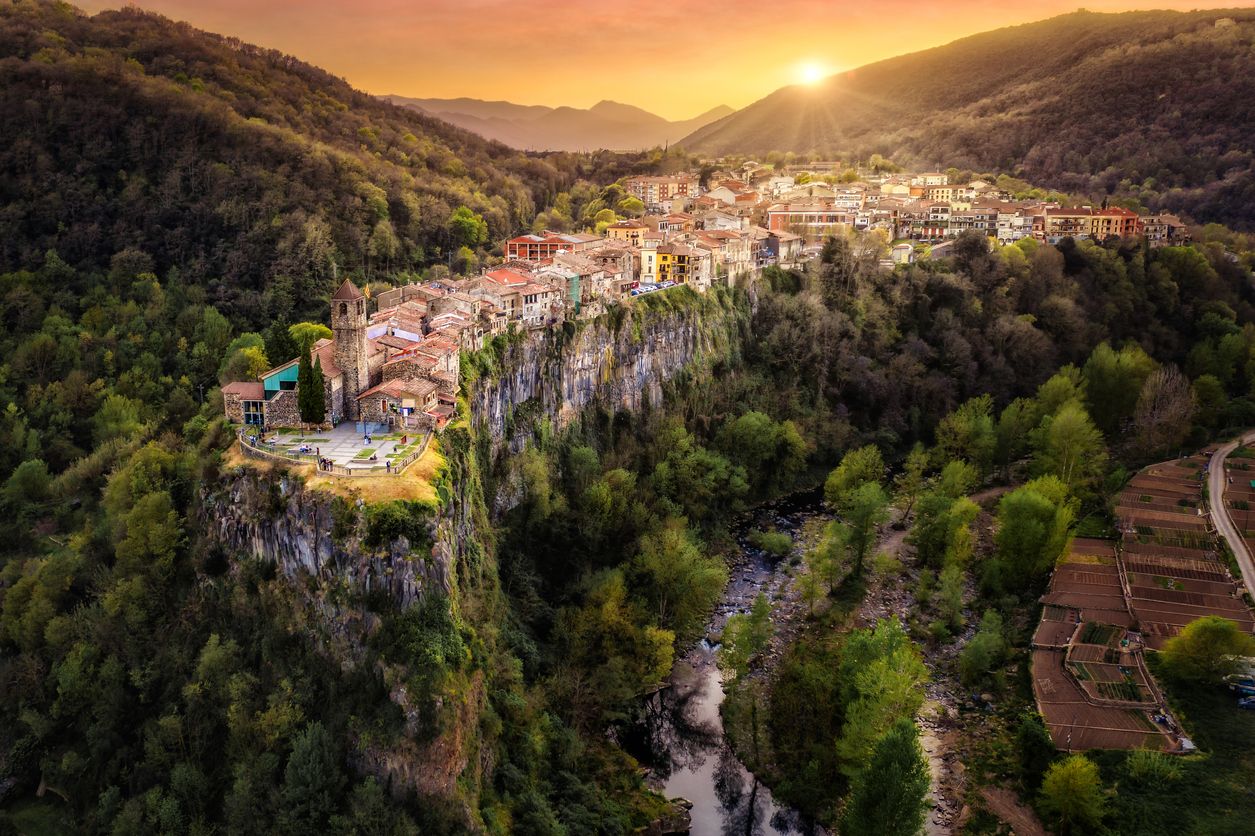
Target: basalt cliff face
x=617 y=363
x=307 y=533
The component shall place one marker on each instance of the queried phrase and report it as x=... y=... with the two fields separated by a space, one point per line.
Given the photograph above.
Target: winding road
x=1220 y=513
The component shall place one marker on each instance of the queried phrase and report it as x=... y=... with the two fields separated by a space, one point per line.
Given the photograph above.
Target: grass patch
x=1209 y=792
x=365 y=453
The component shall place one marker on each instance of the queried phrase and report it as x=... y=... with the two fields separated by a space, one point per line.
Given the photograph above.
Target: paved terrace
x=345 y=447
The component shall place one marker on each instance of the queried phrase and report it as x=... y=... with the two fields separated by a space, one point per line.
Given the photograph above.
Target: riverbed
x=682 y=737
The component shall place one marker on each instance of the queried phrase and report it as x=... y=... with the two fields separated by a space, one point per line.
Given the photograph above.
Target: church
x=378 y=370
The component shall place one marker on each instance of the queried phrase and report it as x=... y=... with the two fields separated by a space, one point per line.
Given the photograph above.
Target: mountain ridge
x=606 y=125
x=1151 y=105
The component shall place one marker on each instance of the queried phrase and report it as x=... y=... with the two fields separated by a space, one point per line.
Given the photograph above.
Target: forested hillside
x=1157 y=106
x=159 y=212
x=258 y=176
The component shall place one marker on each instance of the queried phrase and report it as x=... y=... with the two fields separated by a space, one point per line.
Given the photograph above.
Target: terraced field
x=1173 y=574
x=1089 y=680
x=1109 y=601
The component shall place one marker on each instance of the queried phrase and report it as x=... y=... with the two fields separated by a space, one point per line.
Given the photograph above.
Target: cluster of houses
x=926 y=207
x=913 y=207
x=394 y=360
x=397 y=366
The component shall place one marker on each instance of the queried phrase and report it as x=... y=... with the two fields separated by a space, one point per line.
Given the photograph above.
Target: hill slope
x=535 y=127
x=1157 y=104
x=235 y=163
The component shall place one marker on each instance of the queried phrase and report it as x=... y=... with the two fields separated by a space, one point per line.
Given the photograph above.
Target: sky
x=676 y=58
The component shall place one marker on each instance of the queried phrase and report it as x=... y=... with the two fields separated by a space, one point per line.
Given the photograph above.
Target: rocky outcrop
x=620 y=362
x=271 y=515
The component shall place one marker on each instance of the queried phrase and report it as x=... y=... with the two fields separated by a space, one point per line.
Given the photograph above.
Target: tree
x=1034 y=528
x=1072 y=796
x=865 y=508
x=467 y=228
x=1064 y=386
x=745 y=636
x=305 y=334
x=1036 y=749
x=984 y=651
x=888 y=794
x=1012 y=433
x=680 y=581
x=1164 y=412
x=1207 y=649
x=827 y=559
x=882 y=678
x=910 y=482
x=1112 y=383
x=957 y=479
x=857 y=468
x=1068 y=445
x=949 y=597
x=318 y=383
x=311 y=781
x=771 y=453
x=310 y=390
x=968 y=433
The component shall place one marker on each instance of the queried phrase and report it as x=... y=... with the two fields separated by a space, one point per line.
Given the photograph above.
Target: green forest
x=164 y=217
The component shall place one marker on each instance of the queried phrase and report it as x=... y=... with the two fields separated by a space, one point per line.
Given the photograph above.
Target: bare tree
x=1165 y=409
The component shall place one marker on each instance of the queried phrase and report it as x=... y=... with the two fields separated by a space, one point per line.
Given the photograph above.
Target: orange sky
x=673 y=57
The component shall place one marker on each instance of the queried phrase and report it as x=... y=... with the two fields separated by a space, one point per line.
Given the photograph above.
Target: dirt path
x=893 y=594
x=1004 y=804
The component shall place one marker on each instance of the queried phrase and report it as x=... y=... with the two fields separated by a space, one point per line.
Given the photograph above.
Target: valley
x=870 y=460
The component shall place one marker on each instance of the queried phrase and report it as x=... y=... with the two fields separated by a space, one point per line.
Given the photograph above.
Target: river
x=681 y=735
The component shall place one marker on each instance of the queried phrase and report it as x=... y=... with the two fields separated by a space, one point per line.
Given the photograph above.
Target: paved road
x=1220 y=513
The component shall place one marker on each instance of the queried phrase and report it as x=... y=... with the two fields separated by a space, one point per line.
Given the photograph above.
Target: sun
x=811 y=73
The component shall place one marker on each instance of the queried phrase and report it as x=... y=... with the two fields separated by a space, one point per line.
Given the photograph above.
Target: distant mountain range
x=605 y=125
x=1157 y=105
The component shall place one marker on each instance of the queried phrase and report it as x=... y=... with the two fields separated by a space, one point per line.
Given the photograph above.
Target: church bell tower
x=348 y=322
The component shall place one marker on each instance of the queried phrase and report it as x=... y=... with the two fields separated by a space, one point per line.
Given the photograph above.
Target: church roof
x=347 y=292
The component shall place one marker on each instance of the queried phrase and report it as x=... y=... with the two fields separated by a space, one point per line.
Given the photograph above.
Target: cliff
x=351 y=569
x=620 y=362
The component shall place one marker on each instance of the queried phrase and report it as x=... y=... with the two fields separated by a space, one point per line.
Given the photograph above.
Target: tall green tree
x=1207 y=649
x=312 y=781
x=1113 y=380
x=1034 y=529
x=888 y=795
x=309 y=390
x=881 y=679
x=1072 y=796
x=857 y=468
x=745 y=636
x=1068 y=445
x=865 y=509
x=968 y=434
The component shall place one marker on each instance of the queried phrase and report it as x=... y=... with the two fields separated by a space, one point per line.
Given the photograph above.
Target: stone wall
x=283 y=410
x=233 y=405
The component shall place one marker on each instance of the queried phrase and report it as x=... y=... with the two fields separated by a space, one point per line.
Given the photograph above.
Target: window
x=253 y=413
x=344 y=309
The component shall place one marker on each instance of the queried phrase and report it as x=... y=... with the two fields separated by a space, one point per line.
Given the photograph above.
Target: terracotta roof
x=347 y=292
x=506 y=277
x=323 y=350
x=401 y=388
x=248 y=390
